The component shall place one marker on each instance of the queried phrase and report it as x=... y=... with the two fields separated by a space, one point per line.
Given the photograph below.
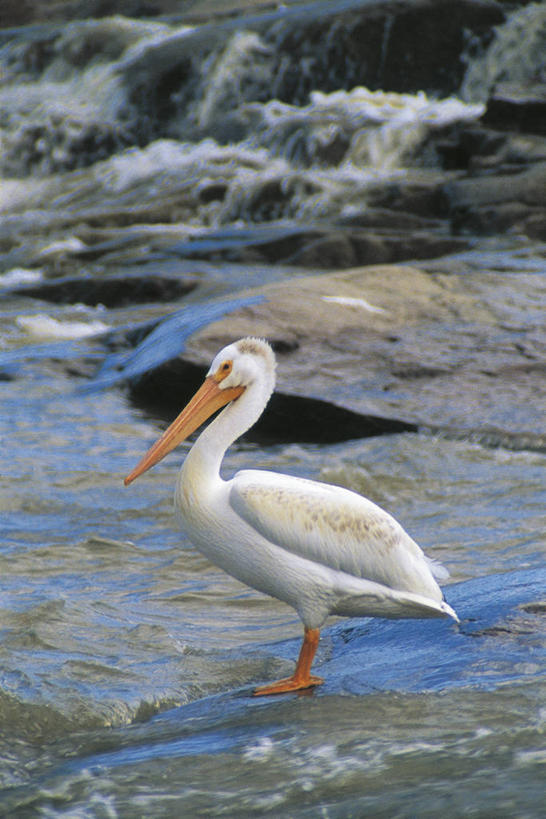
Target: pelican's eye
x=223 y=370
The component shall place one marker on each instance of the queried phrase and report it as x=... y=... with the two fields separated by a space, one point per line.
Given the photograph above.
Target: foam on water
x=516 y=54
x=239 y=155
x=41 y=325
x=66 y=101
x=20 y=275
x=360 y=127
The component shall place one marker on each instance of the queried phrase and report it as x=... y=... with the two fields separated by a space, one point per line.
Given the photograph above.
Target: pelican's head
x=243 y=363
x=234 y=369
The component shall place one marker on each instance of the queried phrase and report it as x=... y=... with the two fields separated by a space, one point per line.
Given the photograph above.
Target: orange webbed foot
x=287 y=685
x=301 y=677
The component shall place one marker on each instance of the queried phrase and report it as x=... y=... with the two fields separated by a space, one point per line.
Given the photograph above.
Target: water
x=127 y=661
x=110 y=617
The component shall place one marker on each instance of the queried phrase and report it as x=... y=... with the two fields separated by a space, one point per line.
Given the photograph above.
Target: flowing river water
x=127 y=661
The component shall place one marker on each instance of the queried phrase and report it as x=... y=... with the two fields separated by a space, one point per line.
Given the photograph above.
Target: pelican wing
x=334 y=527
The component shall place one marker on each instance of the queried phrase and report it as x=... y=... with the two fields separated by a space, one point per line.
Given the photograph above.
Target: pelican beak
x=208 y=398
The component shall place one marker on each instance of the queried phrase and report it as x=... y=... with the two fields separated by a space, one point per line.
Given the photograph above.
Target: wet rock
x=17 y=12
x=424 y=198
x=458 y=352
x=495 y=203
x=492 y=181
x=528 y=187
x=333 y=250
x=533 y=225
x=23 y=12
x=517 y=108
x=385 y=219
x=113 y=291
x=321 y=247
x=338 y=250
x=288 y=418
x=408 y=46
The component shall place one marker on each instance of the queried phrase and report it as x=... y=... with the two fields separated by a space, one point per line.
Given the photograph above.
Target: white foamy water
x=516 y=54
x=358 y=127
x=291 y=165
x=44 y=326
x=77 y=101
x=233 y=156
x=61 y=248
x=20 y=275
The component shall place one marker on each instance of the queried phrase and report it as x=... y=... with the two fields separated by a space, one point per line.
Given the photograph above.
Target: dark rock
x=296 y=418
x=16 y=12
x=462 y=146
x=334 y=250
x=402 y=46
x=339 y=251
x=322 y=247
x=54 y=145
x=385 y=219
x=425 y=199
x=213 y=192
x=527 y=186
x=287 y=418
x=114 y=291
x=517 y=109
x=534 y=226
x=506 y=216
x=493 y=204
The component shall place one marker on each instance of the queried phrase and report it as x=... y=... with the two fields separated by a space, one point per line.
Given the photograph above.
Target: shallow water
x=109 y=617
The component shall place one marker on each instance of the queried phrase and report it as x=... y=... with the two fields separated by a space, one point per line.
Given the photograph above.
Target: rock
x=533 y=225
x=423 y=198
x=517 y=109
x=528 y=187
x=288 y=418
x=22 y=12
x=405 y=46
x=321 y=247
x=496 y=203
x=436 y=349
x=16 y=12
x=113 y=291
x=332 y=250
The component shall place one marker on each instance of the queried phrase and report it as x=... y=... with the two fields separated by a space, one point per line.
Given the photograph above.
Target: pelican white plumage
x=320 y=548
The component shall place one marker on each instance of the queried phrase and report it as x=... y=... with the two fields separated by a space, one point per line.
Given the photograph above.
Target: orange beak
x=208 y=398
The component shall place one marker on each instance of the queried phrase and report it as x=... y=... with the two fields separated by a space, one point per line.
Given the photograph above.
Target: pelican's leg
x=301 y=678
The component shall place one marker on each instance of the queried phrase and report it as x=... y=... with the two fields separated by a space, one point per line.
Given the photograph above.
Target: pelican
x=320 y=548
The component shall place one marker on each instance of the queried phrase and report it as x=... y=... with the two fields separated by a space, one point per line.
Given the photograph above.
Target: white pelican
x=320 y=548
